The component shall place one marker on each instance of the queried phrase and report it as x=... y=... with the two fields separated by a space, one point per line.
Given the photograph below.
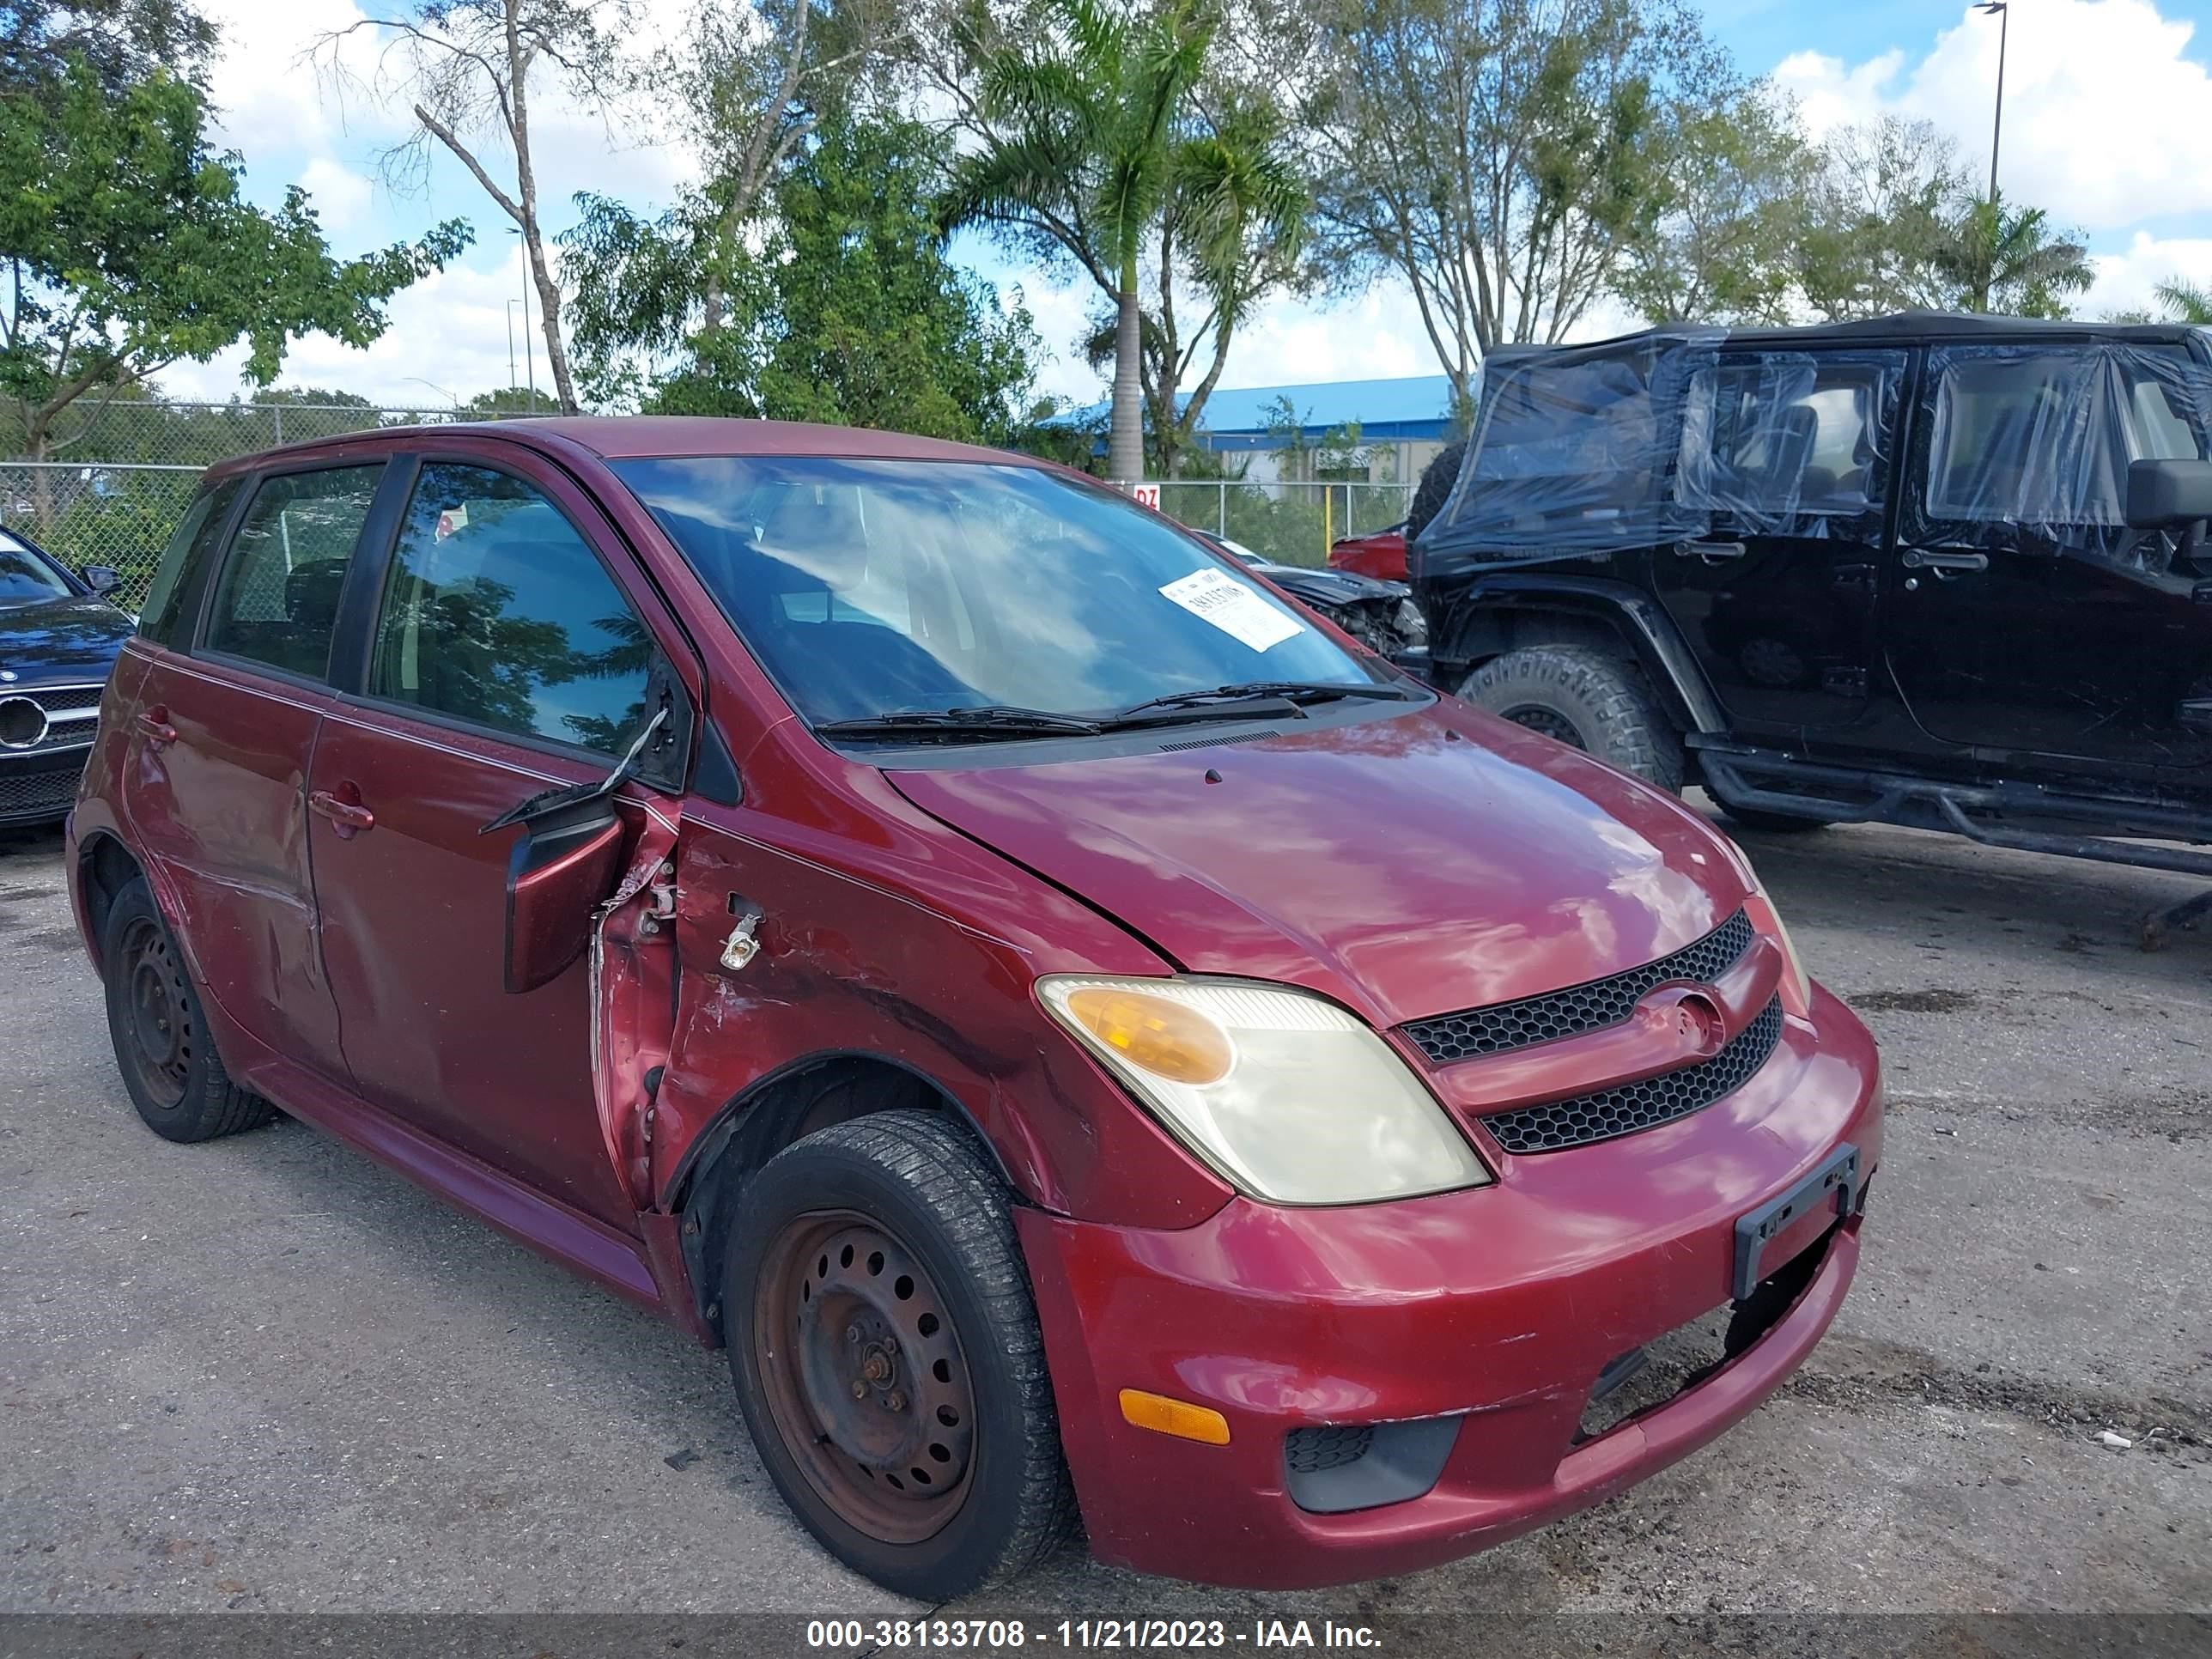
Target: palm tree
x=2009 y=260
x=2185 y=301
x=1073 y=107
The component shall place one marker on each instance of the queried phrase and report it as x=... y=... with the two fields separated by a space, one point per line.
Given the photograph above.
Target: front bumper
x=38 y=787
x=1499 y=1307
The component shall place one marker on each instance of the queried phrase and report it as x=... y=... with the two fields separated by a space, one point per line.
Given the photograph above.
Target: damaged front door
x=506 y=670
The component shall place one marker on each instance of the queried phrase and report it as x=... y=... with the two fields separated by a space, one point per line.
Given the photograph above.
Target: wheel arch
x=104 y=868
x=1505 y=613
x=803 y=1095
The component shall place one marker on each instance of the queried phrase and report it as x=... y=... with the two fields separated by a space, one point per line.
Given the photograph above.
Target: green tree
x=1502 y=157
x=129 y=246
x=1071 y=107
x=2185 y=301
x=847 y=309
x=2009 y=260
x=121 y=41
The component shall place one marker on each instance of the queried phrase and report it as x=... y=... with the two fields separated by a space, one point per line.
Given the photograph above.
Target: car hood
x=1332 y=586
x=1408 y=865
x=69 y=638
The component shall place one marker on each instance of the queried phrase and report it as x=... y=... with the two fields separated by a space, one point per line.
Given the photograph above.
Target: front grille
x=1603 y=1002
x=1643 y=1105
x=1327 y=1446
x=58 y=701
x=25 y=795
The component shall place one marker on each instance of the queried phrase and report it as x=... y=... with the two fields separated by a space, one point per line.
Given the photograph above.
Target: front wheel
x=1582 y=697
x=886 y=1355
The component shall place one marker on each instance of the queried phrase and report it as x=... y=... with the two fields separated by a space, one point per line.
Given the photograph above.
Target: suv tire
x=883 y=1249
x=1585 y=698
x=1436 y=480
x=163 y=1047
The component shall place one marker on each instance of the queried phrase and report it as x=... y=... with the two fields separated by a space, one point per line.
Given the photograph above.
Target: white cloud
x=2105 y=114
x=341 y=195
x=2129 y=281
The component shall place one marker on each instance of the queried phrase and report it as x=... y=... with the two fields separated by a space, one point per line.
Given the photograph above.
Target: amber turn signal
x=1176 y=1417
x=1167 y=1038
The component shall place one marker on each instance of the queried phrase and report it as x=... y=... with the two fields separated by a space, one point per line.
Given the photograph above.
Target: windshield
x=869 y=587
x=25 y=578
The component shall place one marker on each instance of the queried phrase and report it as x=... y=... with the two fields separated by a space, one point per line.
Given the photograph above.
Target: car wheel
x=1581 y=697
x=162 y=1044
x=885 y=1349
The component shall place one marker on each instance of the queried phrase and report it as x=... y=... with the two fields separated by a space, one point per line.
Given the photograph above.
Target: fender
x=1491 y=614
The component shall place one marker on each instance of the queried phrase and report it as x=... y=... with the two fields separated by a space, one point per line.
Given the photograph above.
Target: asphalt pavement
x=264 y=1374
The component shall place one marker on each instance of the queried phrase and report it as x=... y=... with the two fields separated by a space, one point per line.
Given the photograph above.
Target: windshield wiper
x=1267 y=697
x=990 y=720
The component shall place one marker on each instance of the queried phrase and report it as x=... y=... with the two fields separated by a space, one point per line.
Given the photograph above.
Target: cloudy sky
x=2107 y=124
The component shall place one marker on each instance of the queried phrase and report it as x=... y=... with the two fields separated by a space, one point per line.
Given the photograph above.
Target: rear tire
x=885 y=1349
x=1436 y=480
x=1581 y=697
x=163 y=1047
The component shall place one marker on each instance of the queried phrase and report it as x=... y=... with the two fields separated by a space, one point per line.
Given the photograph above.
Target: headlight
x=1288 y=1098
x=1412 y=624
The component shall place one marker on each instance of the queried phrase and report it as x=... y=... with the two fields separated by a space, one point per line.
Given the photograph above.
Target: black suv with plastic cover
x=1936 y=570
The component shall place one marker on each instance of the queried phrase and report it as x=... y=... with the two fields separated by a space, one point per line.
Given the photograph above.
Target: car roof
x=634 y=437
x=1898 y=328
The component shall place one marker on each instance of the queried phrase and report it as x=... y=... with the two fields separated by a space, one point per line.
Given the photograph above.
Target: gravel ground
x=264 y=1374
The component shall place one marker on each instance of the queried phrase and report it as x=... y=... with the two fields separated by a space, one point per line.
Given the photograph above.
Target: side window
x=1782 y=442
x=277 y=602
x=2041 y=437
x=497 y=612
x=192 y=546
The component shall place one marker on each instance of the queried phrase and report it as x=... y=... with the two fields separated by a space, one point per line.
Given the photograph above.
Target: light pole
x=2003 y=10
x=529 y=356
x=418 y=381
x=510 y=342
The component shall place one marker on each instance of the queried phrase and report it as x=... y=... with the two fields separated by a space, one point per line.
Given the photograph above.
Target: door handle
x=349 y=817
x=1708 y=552
x=1942 y=561
x=155 y=724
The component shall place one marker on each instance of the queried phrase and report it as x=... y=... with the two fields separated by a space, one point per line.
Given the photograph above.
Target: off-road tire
x=1583 y=697
x=185 y=1095
x=922 y=1179
x=1436 y=480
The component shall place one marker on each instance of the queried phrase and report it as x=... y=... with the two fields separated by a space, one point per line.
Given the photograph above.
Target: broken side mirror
x=561 y=872
x=102 y=579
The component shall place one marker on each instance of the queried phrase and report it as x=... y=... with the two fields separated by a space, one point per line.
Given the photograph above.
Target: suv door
x=2020 y=613
x=1791 y=454
x=213 y=780
x=507 y=656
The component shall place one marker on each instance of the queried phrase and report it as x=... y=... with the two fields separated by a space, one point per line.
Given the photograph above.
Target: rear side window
x=277 y=602
x=1779 y=442
x=497 y=612
x=190 y=548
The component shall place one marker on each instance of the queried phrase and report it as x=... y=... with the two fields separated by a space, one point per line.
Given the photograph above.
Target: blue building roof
x=1418 y=406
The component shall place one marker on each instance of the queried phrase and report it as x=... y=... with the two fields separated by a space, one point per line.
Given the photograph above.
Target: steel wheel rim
x=1548 y=722
x=869 y=1388
x=156 y=1015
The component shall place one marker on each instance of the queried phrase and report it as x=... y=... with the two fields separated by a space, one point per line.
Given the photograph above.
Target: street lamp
x=529 y=358
x=417 y=380
x=2003 y=11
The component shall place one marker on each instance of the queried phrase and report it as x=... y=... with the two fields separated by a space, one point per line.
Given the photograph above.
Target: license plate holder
x=1837 y=1179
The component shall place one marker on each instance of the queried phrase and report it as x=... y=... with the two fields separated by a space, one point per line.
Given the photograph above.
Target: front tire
x=885 y=1351
x=162 y=1044
x=1586 y=699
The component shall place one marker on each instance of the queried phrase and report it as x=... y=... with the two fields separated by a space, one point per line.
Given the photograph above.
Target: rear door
x=225 y=721
x=1791 y=453
x=2021 y=615
x=509 y=654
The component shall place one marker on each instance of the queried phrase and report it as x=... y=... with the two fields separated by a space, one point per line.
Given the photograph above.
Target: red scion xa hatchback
x=913 y=916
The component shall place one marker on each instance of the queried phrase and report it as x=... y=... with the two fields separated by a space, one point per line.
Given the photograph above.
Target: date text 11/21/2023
x=1006 y=1635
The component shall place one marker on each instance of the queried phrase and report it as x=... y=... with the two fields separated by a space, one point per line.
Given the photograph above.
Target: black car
x=1381 y=615
x=58 y=639
x=1937 y=570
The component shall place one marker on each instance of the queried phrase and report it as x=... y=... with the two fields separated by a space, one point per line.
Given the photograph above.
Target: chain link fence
x=1288 y=523
x=111 y=481
x=107 y=484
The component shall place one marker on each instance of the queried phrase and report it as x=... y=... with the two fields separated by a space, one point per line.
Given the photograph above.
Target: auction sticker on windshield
x=1233 y=608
